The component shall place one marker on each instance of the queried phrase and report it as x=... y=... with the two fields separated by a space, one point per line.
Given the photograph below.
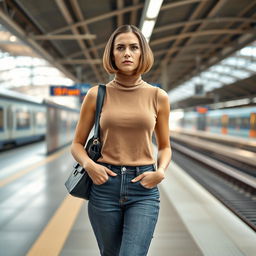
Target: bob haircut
x=146 y=58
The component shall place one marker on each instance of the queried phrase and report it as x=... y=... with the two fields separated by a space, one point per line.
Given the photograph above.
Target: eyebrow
x=124 y=44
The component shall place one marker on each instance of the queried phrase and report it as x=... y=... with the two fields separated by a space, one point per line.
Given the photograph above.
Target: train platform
x=39 y=218
x=228 y=146
x=216 y=137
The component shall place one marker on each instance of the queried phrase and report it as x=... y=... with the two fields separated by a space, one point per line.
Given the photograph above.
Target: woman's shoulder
x=161 y=95
x=92 y=92
x=160 y=92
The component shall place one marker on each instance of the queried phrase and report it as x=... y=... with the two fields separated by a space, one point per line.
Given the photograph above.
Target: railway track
x=235 y=189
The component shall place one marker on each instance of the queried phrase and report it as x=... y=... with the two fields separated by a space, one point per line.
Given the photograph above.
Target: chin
x=128 y=71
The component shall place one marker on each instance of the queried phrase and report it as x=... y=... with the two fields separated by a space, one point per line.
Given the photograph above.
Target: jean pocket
x=107 y=181
x=145 y=187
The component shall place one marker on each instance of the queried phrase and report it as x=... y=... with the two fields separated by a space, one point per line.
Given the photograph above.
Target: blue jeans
x=123 y=214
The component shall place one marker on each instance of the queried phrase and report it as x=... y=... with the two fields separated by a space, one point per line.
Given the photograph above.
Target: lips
x=127 y=62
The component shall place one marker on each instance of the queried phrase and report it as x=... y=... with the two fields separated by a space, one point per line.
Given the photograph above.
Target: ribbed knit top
x=127 y=122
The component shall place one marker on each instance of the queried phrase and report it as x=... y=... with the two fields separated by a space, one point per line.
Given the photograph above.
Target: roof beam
x=223 y=74
x=97 y=18
x=96 y=47
x=190 y=47
x=180 y=3
x=237 y=67
x=224 y=41
x=91 y=43
x=120 y=6
x=241 y=14
x=20 y=33
x=223 y=91
x=198 y=33
x=63 y=37
x=206 y=21
x=156 y=53
x=249 y=58
x=240 y=90
x=193 y=16
x=80 y=61
x=66 y=14
x=121 y=11
x=134 y=13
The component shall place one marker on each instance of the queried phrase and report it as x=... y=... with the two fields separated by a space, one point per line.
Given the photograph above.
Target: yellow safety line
x=21 y=173
x=53 y=237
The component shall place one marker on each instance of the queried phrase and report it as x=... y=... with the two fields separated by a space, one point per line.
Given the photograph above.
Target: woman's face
x=127 y=52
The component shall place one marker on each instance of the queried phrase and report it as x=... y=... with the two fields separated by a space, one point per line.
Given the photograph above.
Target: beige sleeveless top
x=127 y=123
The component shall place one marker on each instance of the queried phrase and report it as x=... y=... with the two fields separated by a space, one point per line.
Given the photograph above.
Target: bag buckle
x=96 y=141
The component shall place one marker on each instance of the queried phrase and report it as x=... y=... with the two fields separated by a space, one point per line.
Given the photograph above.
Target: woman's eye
x=135 y=47
x=120 y=48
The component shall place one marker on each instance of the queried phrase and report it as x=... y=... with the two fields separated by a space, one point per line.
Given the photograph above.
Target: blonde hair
x=146 y=59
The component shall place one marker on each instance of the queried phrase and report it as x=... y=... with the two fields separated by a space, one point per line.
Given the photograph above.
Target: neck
x=128 y=80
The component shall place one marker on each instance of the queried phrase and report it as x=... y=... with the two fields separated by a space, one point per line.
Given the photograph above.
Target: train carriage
x=240 y=121
x=22 y=119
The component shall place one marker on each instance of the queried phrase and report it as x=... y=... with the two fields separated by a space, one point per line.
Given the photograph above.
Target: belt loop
x=137 y=170
x=109 y=167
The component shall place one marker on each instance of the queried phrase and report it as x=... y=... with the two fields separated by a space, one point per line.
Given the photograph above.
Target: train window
x=215 y=122
x=245 y=123
x=40 y=119
x=23 y=119
x=232 y=122
x=1 y=119
x=238 y=122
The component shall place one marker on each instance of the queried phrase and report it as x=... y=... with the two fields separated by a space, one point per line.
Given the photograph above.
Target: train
x=239 y=121
x=24 y=119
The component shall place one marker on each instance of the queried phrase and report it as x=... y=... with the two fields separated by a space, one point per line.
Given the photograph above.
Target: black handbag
x=79 y=182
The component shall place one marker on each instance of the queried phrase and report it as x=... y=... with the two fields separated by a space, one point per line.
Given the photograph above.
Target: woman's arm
x=162 y=132
x=98 y=173
x=151 y=179
x=83 y=128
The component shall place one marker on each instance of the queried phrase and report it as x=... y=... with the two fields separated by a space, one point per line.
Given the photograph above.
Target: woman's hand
x=150 y=179
x=99 y=174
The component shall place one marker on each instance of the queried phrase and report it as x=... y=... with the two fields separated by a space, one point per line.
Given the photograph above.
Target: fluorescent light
x=149 y=17
x=233 y=103
x=153 y=9
x=147 y=28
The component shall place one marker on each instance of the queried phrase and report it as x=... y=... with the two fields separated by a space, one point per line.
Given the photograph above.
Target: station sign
x=75 y=90
x=201 y=110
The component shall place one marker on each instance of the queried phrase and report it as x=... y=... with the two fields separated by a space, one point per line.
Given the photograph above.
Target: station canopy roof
x=208 y=43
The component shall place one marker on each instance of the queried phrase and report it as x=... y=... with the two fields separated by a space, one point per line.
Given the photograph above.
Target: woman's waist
x=128 y=168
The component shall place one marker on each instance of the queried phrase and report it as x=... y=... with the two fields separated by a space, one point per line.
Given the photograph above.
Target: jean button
x=123 y=169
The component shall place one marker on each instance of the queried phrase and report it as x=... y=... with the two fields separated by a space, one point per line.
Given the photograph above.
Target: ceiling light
x=149 y=16
x=153 y=9
x=147 y=28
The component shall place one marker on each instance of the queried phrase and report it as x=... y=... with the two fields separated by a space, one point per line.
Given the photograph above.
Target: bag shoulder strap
x=99 y=104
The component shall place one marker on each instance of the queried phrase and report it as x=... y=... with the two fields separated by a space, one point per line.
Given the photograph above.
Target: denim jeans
x=123 y=214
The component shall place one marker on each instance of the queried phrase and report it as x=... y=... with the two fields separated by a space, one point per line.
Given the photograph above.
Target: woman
x=124 y=200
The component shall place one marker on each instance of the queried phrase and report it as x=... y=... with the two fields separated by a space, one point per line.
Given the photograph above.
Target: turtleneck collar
x=127 y=82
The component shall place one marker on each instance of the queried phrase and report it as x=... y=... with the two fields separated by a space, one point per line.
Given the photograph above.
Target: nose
x=127 y=52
